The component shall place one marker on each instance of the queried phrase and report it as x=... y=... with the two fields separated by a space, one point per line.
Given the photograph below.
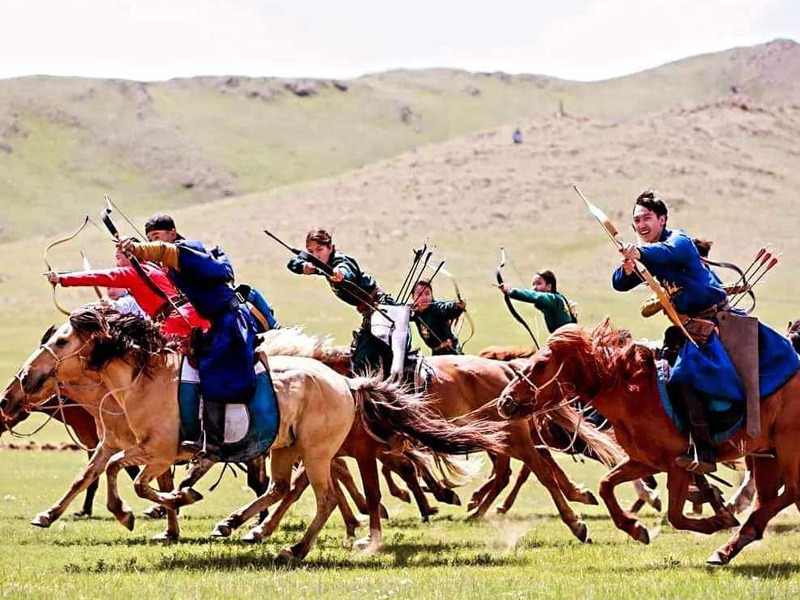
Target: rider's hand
x=126 y=245
x=53 y=277
x=309 y=269
x=462 y=304
x=630 y=251
x=628 y=266
x=504 y=287
x=338 y=275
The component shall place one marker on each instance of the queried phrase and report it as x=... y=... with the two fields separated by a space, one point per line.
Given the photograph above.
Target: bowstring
x=536 y=313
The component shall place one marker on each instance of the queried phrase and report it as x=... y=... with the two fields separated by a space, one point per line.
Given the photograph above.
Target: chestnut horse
x=619 y=379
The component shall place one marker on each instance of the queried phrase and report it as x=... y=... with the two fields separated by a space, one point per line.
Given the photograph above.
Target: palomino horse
x=619 y=379
x=462 y=388
x=317 y=408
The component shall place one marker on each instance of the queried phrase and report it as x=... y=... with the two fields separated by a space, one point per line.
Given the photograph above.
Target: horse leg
x=624 y=520
x=368 y=467
x=439 y=491
x=644 y=495
x=88 y=474
x=408 y=473
x=345 y=477
x=678 y=486
x=768 y=504
x=281 y=462
x=88 y=500
x=522 y=477
x=319 y=474
x=166 y=484
x=257 y=479
x=742 y=498
x=479 y=494
x=299 y=485
x=350 y=521
x=394 y=490
x=502 y=477
x=572 y=491
x=545 y=470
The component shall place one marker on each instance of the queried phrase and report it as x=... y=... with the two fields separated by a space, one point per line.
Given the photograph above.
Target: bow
x=465 y=316
x=49 y=266
x=362 y=296
x=641 y=271
x=105 y=216
x=509 y=304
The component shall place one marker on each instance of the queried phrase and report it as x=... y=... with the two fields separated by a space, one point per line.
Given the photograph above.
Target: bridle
x=514 y=404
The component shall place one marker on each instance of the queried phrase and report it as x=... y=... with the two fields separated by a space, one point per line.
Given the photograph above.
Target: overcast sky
x=573 y=39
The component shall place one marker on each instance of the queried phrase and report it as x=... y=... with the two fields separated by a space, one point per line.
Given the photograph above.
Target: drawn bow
x=509 y=304
x=640 y=269
x=49 y=266
x=465 y=316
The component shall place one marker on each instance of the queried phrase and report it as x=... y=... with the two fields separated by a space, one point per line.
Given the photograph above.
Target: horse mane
x=293 y=341
x=127 y=336
x=603 y=355
x=506 y=353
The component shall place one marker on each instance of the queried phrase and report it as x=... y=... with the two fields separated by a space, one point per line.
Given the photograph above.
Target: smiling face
x=540 y=285
x=648 y=224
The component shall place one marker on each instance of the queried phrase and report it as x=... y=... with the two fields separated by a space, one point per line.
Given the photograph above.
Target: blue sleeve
x=201 y=265
x=678 y=249
x=257 y=299
x=622 y=282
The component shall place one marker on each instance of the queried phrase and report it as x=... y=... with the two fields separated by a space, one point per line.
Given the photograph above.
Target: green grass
x=527 y=553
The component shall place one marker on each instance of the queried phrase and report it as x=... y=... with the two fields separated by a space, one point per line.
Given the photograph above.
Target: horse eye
x=61 y=342
x=538 y=367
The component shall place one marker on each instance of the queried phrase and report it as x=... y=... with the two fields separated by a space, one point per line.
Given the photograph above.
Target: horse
x=463 y=389
x=619 y=379
x=317 y=407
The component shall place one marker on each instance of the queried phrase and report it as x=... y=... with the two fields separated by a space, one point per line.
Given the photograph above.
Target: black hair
x=650 y=201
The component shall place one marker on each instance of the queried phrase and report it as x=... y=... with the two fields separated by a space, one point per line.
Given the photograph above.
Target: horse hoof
x=42 y=520
x=642 y=535
x=286 y=557
x=729 y=520
x=581 y=532
x=501 y=510
x=656 y=504
x=128 y=520
x=164 y=536
x=589 y=498
x=450 y=497
x=222 y=530
x=716 y=559
x=472 y=505
x=366 y=545
x=254 y=536
x=155 y=512
x=191 y=496
x=82 y=514
x=404 y=496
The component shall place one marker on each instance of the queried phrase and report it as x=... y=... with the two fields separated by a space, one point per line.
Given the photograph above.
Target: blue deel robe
x=227 y=354
x=675 y=262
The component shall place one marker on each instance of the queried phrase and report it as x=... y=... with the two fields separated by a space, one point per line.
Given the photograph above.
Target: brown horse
x=619 y=379
x=462 y=389
x=317 y=408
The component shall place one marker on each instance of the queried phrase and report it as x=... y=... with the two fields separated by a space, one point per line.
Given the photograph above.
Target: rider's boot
x=699 y=457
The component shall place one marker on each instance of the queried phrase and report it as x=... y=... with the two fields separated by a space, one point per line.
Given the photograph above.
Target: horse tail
x=598 y=442
x=506 y=353
x=388 y=409
x=453 y=473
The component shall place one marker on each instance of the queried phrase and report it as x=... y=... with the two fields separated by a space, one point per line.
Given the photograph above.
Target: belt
x=169 y=307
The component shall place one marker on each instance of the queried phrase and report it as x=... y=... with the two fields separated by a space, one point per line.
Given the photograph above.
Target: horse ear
x=47 y=335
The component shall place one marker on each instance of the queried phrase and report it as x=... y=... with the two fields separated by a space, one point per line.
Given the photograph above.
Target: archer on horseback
x=225 y=352
x=435 y=318
x=544 y=295
x=726 y=351
x=359 y=289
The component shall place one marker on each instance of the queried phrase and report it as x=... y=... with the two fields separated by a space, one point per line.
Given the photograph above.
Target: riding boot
x=700 y=455
x=213 y=433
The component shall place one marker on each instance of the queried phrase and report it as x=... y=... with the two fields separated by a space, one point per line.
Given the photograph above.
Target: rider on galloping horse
x=225 y=353
x=434 y=319
x=730 y=348
x=545 y=296
x=354 y=287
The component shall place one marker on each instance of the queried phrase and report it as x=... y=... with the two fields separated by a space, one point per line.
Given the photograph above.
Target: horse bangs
x=617 y=355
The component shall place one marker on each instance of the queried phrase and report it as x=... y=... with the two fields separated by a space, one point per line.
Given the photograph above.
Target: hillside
x=66 y=141
x=728 y=169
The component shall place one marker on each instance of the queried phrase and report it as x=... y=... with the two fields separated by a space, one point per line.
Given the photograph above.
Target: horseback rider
x=434 y=319
x=173 y=323
x=545 y=296
x=354 y=287
x=725 y=358
x=225 y=353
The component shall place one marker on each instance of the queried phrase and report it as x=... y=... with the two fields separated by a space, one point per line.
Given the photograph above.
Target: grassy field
x=527 y=553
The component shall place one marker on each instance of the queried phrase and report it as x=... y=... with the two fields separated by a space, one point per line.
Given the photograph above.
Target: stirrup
x=691 y=461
